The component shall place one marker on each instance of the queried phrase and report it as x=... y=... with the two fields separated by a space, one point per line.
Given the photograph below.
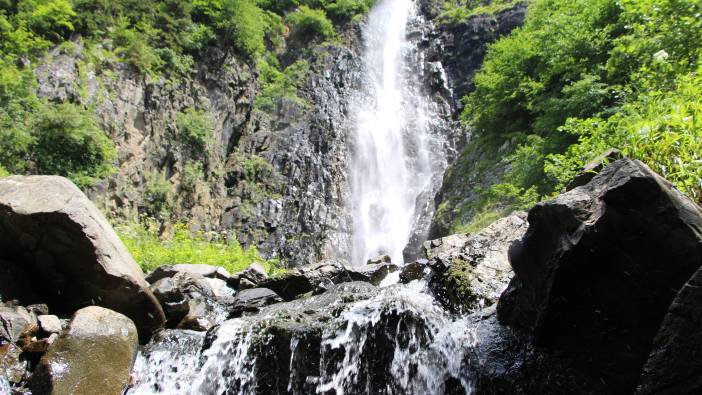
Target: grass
x=151 y=249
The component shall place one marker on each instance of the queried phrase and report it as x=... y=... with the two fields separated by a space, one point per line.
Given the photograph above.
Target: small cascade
x=397 y=341
x=398 y=152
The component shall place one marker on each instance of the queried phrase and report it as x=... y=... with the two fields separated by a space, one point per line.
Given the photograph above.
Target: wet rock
x=39 y=346
x=413 y=271
x=208 y=271
x=472 y=271
x=379 y=260
x=14 y=322
x=12 y=367
x=94 y=356
x=67 y=246
x=38 y=309
x=376 y=272
x=598 y=268
x=252 y=300
x=49 y=323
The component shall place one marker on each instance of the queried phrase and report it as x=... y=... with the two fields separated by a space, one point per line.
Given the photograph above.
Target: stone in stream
x=249 y=277
x=376 y=272
x=598 y=269
x=49 y=323
x=94 y=356
x=50 y=229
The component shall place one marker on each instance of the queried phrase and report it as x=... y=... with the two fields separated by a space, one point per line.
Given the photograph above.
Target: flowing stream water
x=394 y=339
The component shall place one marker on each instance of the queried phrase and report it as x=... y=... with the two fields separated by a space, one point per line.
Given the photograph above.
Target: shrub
x=346 y=10
x=69 y=142
x=276 y=85
x=192 y=175
x=194 y=129
x=310 y=22
x=151 y=250
x=157 y=193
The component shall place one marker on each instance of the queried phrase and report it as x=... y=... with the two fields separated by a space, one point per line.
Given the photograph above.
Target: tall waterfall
x=395 y=156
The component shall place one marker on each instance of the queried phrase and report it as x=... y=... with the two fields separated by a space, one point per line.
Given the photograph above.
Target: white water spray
x=393 y=162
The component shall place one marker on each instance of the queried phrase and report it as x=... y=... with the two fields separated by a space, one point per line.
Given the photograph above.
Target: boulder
x=94 y=356
x=252 y=300
x=475 y=270
x=598 y=268
x=445 y=245
x=59 y=238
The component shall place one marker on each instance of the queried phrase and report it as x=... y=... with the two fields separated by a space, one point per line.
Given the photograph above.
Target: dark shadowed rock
x=378 y=260
x=94 y=356
x=599 y=267
x=58 y=237
x=674 y=365
x=249 y=277
x=413 y=271
x=590 y=170
x=251 y=300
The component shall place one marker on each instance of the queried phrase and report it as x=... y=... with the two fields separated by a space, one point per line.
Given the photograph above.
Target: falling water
x=396 y=155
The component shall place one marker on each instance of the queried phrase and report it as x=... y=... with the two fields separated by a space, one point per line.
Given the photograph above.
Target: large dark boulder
x=59 y=239
x=94 y=356
x=598 y=268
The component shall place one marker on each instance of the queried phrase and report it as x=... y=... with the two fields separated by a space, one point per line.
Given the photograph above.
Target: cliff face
x=277 y=180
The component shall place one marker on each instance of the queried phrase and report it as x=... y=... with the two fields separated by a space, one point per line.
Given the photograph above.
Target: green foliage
x=158 y=194
x=3 y=172
x=152 y=250
x=193 y=173
x=311 y=22
x=584 y=76
x=194 y=129
x=69 y=142
x=346 y=10
x=276 y=85
x=496 y=202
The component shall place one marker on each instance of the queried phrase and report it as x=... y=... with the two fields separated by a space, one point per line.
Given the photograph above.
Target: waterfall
x=396 y=157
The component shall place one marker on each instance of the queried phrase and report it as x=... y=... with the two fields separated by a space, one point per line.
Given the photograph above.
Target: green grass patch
x=151 y=249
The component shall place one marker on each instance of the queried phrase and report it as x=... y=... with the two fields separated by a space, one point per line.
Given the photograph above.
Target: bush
x=69 y=142
x=310 y=22
x=151 y=250
x=194 y=129
x=192 y=175
x=346 y=10
x=157 y=193
x=276 y=85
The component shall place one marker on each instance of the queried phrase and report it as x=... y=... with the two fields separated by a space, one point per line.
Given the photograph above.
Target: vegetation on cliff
x=578 y=78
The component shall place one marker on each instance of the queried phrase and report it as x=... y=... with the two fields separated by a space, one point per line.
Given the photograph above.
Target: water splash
x=396 y=156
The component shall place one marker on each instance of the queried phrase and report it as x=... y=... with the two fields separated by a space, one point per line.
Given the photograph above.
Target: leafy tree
x=310 y=22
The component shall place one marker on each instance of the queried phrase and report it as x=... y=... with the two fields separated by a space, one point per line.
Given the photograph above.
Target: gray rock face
x=598 y=268
x=208 y=271
x=63 y=242
x=94 y=356
x=472 y=271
